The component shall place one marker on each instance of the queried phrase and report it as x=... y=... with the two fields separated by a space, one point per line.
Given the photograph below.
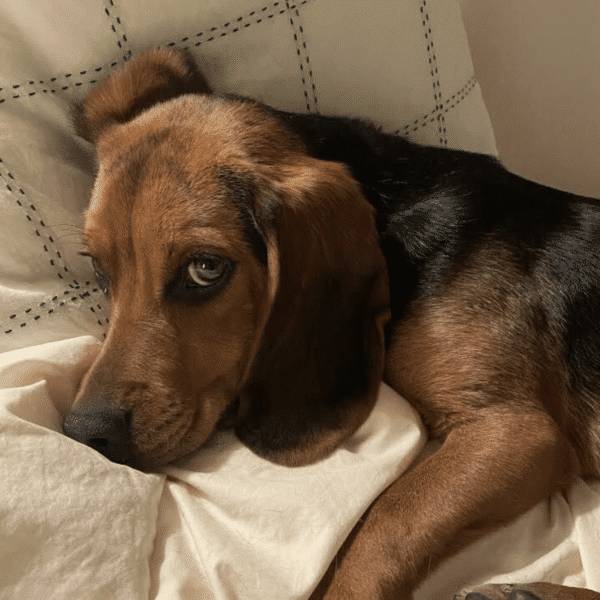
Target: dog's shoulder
x=443 y=211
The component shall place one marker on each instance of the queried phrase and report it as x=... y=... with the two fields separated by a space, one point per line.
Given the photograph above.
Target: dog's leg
x=486 y=473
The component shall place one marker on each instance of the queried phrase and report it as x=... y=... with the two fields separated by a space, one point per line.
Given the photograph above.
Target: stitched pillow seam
x=237 y=24
x=437 y=90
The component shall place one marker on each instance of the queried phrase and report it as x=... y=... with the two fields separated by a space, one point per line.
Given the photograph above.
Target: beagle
x=266 y=270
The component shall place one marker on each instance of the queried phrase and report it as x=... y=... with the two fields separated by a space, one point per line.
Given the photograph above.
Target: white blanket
x=74 y=525
x=223 y=524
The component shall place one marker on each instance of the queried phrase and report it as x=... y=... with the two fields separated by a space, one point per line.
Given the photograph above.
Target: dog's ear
x=149 y=78
x=320 y=359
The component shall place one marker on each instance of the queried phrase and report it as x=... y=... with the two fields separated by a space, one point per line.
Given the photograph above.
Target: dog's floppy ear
x=149 y=78
x=319 y=363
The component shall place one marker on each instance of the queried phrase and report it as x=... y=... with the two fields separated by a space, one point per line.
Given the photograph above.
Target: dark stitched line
x=306 y=73
x=49 y=307
x=437 y=90
x=46 y=88
x=233 y=26
x=38 y=225
x=449 y=104
x=53 y=254
x=117 y=28
x=53 y=85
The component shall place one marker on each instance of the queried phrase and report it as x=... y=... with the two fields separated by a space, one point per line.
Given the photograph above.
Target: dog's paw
x=507 y=591
x=527 y=591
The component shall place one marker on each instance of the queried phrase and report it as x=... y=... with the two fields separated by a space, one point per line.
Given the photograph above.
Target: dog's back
x=514 y=254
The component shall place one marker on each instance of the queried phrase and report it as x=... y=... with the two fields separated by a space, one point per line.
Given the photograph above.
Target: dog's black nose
x=107 y=431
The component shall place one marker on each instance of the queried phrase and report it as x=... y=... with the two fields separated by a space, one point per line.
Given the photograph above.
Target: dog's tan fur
x=289 y=326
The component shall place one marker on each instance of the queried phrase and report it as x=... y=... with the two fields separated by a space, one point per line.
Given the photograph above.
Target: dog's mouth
x=147 y=427
x=153 y=459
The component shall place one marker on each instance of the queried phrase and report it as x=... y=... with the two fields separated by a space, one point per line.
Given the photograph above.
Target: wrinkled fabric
x=222 y=523
x=72 y=524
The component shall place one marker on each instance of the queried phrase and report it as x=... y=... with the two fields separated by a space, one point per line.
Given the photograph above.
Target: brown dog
x=244 y=254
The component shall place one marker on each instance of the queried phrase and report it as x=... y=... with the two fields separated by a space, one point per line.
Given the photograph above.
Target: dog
x=265 y=270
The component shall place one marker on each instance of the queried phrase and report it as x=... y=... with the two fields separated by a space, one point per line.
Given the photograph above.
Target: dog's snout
x=107 y=431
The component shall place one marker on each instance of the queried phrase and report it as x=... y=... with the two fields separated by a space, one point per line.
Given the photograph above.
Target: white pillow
x=405 y=65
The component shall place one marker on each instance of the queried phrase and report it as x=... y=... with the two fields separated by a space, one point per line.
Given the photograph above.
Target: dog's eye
x=202 y=277
x=207 y=269
x=101 y=278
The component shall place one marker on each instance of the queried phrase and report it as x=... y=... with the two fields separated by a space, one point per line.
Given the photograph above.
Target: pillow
x=73 y=524
x=405 y=65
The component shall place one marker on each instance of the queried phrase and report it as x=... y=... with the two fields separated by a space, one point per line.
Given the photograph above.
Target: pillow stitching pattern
x=437 y=90
x=117 y=28
x=54 y=79
x=55 y=302
x=57 y=261
x=237 y=23
x=303 y=58
x=233 y=26
x=87 y=294
x=35 y=220
x=430 y=117
x=426 y=119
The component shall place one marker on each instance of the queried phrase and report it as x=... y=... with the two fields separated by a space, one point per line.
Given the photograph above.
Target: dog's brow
x=195 y=237
x=181 y=175
x=152 y=152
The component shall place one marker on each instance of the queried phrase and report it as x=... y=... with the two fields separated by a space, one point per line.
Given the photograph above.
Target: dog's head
x=245 y=278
